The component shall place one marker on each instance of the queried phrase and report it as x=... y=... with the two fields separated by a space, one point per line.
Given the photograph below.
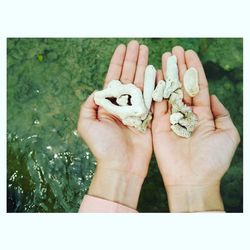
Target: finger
x=192 y=60
x=179 y=52
x=221 y=115
x=129 y=66
x=160 y=108
x=115 y=66
x=164 y=60
x=141 y=66
x=89 y=108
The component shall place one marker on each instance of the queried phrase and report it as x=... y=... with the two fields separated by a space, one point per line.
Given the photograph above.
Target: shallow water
x=49 y=167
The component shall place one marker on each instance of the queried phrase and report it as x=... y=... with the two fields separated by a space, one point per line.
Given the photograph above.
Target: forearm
x=195 y=198
x=116 y=186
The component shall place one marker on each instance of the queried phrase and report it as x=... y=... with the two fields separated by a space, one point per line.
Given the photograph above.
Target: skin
x=192 y=168
x=122 y=153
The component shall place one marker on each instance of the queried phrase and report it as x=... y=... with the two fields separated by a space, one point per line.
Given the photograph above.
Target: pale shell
x=190 y=81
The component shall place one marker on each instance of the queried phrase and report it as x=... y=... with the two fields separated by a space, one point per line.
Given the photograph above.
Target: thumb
x=89 y=108
x=221 y=115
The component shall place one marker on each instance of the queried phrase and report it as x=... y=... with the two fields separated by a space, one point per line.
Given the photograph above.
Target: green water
x=49 y=167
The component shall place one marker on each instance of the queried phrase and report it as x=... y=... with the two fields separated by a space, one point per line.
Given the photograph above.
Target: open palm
x=203 y=158
x=114 y=145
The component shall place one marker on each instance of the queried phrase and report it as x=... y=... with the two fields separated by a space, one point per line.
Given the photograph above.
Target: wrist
x=117 y=186
x=195 y=198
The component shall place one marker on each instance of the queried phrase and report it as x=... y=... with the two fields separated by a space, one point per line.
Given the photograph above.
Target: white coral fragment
x=116 y=89
x=143 y=126
x=149 y=85
x=122 y=100
x=179 y=106
x=159 y=90
x=132 y=121
x=190 y=80
x=172 y=69
x=182 y=118
x=189 y=123
x=168 y=89
x=180 y=131
x=175 y=118
x=130 y=105
x=176 y=96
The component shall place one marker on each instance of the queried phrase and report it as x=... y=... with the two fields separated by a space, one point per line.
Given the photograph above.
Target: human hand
x=192 y=168
x=122 y=153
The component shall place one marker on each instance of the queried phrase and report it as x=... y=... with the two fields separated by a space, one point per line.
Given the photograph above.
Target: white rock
x=190 y=80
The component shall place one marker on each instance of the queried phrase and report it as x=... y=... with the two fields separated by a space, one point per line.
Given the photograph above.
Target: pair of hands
x=191 y=168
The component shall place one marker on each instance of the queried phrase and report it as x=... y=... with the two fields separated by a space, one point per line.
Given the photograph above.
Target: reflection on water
x=47 y=179
x=49 y=167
